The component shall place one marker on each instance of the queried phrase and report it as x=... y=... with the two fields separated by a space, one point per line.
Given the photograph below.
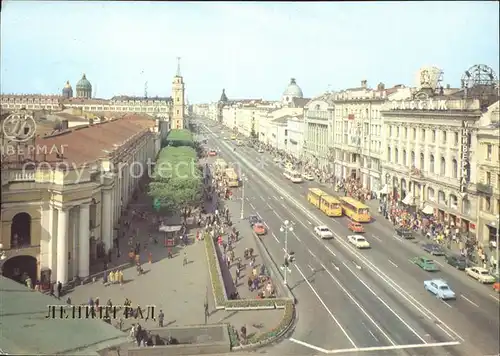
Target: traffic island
x=221 y=301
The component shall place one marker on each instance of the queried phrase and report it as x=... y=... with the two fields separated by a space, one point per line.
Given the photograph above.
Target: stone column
x=62 y=246
x=53 y=240
x=106 y=223
x=84 y=237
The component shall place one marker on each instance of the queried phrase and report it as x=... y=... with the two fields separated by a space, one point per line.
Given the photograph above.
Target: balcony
x=484 y=188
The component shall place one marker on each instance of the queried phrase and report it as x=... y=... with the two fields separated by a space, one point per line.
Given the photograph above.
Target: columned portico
x=84 y=241
x=107 y=223
x=62 y=245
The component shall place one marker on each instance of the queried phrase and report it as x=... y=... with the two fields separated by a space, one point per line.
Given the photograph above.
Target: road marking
x=445 y=331
x=326 y=308
x=438 y=263
x=262 y=198
x=310 y=267
x=470 y=301
x=375 y=269
x=397 y=237
x=281 y=197
x=446 y=303
x=294 y=234
x=373 y=335
x=329 y=250
x=312 y=347
x=275 y=197
x=357 y=266
x=496 y=298
x=270 y=198
x=392 y=263
x=387 y=306
x=377 y=238
x=275 y=213
x=251 y=205
x=283 y=205
x=359 y=306
x=334 y=266
x=310 y=223
x=336 y=221
x=312 y=254
x=275 y=237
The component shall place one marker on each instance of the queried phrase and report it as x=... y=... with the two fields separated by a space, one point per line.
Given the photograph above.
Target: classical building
x=430 y=150
x=178 y=99
x=357 y=134
x=488 y=175
x=295 y=133
x=318 y=130
x=83 y=88
x=62 y=198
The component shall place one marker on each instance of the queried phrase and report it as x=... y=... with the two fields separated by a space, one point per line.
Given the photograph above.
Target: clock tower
x=178 y=104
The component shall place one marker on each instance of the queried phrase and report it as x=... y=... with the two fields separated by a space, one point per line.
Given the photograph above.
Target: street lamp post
x=242 y=196
x=286 y=227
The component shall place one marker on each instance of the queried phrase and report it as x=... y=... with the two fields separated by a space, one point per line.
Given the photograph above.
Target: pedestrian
x=185 y=260
x=161 y=317
x=150 y=257
x=59 y=290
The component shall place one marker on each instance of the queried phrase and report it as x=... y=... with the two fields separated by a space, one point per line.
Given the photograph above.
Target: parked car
x=425 y=263
x=260 y=150
x=324 y=232
x=404 y=233
x=480 y=274
x=439 y=288
x=457 y=261
x=358 y=241
x=355 y=227
x=254 y=219
x=496 y=286
x=433 y=249
x=307 y=176
x=212 y=153
x=259 y=229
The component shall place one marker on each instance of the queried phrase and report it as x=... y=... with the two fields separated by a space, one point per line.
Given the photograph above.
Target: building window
x=433 y=135
x=466 y=206
x=414 y=134
x=396 y=158
x=406 y=133
x=441 y=198
x=389 y=153
x=177 y=112
x=390 y=131
x=286 y=132
x=397 y=131
x=442 y=167
x=422 y=161
x=178 y=99
x=488 y=178
x=404 y=158
x=487 y=204
x=456 y=138
x=431 y=163
x=444 y=137
x=430 y=194
x=454 y=165
x=489 y=149
x=423 y=134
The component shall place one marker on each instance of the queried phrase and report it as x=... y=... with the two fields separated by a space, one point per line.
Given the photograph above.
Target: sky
x=251 y=49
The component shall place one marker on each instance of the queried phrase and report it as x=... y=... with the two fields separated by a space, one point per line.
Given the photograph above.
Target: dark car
x=457 y=261
x=254 y=219
x=405 y=233
x=433 y=249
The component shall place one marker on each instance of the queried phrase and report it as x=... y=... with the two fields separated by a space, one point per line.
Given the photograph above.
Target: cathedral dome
x=67 y=91
x=293 y=90
x=83 y=84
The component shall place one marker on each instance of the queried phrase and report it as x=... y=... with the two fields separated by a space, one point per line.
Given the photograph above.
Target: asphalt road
x=370 y=300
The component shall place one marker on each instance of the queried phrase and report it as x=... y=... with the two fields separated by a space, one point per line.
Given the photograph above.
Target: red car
x=212 y=153
x=259 y=229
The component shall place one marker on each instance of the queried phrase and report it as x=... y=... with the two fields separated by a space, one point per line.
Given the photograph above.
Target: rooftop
x=26 y=330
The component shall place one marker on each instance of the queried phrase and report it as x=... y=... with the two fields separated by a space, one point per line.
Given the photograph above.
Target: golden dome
x=67 y=85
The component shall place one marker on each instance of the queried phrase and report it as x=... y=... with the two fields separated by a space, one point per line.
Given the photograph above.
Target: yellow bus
x=314 y=196
x=355 y=210
x=330 y=205
x=232 y=178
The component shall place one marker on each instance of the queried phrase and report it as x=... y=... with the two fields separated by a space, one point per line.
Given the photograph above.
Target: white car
x=323 y=232
x=307 y=176
x=480 y=274
x=358 y=241
x=260 y=150
x=277 y=160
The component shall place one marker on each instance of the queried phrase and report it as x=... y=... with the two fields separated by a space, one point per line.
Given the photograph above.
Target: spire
x=223 y=97
x=178 y=67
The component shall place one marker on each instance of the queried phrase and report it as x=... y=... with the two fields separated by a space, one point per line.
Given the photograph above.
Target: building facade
x=358 y=134
x=488 y=175
x=430 y=147
x=295 y=127
x=59 y=211
x=318 y=130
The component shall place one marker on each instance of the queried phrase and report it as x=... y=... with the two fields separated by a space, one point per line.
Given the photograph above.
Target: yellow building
x=62 y=193
x=178 y=100
x=488 y=174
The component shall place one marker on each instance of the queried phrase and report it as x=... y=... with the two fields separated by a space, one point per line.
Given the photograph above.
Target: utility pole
x=242 y=215
x=286 y=227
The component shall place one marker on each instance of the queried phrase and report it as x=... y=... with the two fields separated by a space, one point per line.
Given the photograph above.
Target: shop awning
x=170 y=228
x=384 y=190
x=409 y=200
x=293 y=142
x=428 y=210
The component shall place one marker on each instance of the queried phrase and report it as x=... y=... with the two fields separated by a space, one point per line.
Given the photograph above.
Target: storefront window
x=430 y=194
x=441 y=197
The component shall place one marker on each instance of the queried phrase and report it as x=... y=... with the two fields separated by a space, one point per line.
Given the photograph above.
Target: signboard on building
x=465 y=166
x=426 y=105
x=350 y=117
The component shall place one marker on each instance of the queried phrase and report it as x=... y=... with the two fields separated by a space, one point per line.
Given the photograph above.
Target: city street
x=362 y=299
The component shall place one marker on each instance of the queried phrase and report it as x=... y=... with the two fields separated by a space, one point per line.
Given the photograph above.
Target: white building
x=318 y=130
x=295 y=126
x=430 y=152
x=358 y=133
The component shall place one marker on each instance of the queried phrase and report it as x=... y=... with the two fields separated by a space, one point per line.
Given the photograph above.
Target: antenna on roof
x=146 y=90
